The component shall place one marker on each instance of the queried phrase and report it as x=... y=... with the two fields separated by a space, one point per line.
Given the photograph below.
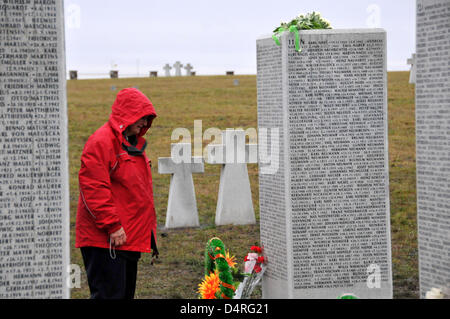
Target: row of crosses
x=234 y=203
x=178 y=67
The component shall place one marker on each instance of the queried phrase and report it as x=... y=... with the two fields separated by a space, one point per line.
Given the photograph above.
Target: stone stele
x=433 y=147
x=34 y=188
x=324 y=214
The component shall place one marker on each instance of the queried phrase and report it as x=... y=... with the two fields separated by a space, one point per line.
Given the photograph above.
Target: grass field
x=219 y=103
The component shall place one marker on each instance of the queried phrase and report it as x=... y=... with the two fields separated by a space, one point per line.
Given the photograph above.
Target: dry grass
x=402 y=150
x=219 y=103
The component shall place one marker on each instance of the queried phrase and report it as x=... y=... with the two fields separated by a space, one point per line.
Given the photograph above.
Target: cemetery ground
x=218 y=102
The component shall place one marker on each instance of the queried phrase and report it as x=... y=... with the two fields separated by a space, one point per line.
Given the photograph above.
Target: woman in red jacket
x=116 y=218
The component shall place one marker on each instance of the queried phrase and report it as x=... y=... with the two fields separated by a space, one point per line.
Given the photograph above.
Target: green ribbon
x=293 y=28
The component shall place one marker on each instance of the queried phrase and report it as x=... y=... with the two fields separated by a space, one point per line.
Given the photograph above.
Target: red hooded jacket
x=116 y=189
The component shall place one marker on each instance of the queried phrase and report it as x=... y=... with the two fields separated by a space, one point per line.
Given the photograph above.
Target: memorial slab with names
x=433 y=143
x=324 y=214
x=34 y=189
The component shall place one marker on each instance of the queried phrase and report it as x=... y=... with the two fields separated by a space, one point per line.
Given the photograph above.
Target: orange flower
x=208 y=288
x=230 y=260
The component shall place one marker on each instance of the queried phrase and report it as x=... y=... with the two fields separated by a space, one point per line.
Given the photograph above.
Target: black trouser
x=110 y=278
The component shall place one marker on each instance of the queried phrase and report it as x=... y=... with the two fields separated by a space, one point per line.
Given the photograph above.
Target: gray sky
x=214 y=36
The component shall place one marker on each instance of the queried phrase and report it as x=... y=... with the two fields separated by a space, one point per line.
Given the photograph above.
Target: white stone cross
x=182 y=204
x=167 y=68
x=178 y=67
x=188 y=68
x=412 y=62
x=234 y=204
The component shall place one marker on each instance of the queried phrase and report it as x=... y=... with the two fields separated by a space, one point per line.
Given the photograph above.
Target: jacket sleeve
x=95 y=186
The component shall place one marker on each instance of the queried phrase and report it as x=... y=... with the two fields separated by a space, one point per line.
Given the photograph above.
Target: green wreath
x=215 y=260
x=302 y=22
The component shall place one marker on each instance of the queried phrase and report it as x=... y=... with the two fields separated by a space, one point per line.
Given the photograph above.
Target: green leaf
x=306 y=22
x=302 y=22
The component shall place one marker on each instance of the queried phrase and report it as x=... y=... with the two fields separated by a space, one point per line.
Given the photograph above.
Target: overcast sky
x=139 y=36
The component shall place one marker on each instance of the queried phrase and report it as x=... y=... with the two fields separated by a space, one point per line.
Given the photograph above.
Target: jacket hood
x=130 y=106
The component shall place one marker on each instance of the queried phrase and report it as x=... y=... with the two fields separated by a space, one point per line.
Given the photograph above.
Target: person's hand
x=118 y=238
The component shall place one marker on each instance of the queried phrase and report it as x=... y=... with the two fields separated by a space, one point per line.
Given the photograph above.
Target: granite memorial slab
x=433 y=143
x=324 y=213
x=34 y=189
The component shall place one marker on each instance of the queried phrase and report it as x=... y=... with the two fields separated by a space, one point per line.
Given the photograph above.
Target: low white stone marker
x=182 y=204
x=234 y=204
x=412 y=62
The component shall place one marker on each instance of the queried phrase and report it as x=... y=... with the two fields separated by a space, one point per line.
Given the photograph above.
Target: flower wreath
x=218 y=270
x=302 y=22
x=223 y=280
